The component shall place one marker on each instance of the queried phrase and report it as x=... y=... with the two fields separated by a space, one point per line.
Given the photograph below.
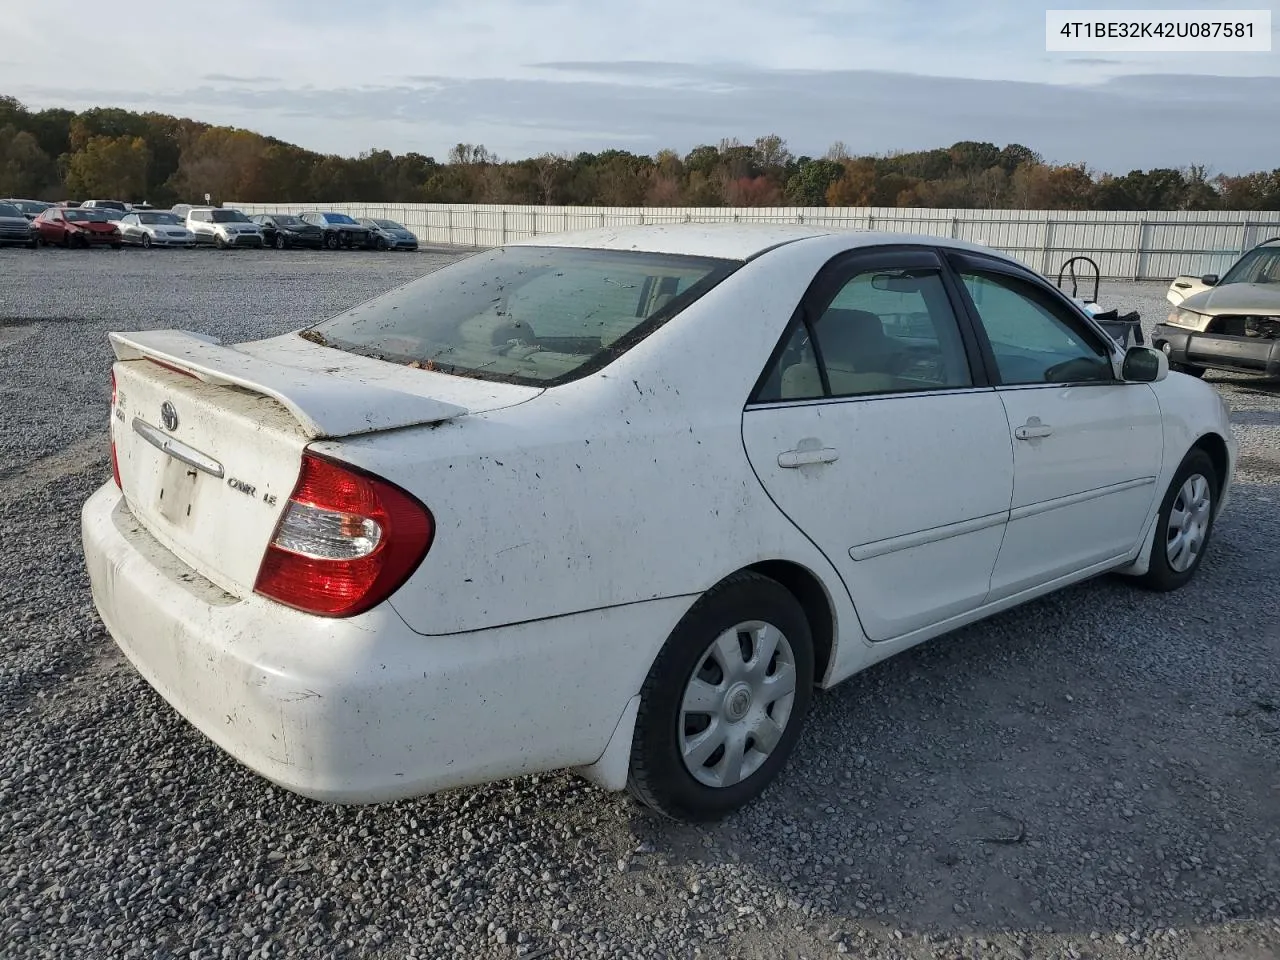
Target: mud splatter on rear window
x=531 y=315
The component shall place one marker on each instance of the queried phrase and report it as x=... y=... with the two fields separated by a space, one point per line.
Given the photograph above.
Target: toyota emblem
x=169 y=416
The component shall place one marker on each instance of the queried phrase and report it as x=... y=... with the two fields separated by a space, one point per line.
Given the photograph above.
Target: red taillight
x=346 y=541
x=115 y=464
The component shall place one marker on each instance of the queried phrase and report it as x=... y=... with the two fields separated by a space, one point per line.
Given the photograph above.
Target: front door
x=874 y=435
x=1086 y=446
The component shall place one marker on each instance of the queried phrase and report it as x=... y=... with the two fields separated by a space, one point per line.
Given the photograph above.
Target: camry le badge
x=169 y=416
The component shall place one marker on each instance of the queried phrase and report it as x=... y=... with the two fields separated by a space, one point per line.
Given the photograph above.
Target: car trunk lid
x=209 y=438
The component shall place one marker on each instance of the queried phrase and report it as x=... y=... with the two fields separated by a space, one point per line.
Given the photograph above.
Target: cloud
x=1117 y=124
x=229 y=78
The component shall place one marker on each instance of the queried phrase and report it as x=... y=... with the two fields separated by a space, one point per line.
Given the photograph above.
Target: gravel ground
x=1092 y=775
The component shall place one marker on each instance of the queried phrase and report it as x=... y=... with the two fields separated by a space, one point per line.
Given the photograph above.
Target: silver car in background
x=155 y=228
x=389 y=235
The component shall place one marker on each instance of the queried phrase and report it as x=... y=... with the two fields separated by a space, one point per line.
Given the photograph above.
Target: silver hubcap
x=1189 y=523
x=737 y=704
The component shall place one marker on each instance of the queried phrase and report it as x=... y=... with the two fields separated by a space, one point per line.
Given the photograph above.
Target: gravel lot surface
x=1094 y=775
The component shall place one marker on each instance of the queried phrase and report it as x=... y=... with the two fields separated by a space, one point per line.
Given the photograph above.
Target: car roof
x=735 y=241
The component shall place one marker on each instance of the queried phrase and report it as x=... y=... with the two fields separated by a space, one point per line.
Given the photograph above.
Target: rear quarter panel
x=628 y=485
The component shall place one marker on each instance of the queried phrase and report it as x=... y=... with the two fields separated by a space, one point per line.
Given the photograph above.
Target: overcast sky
x=529 y=76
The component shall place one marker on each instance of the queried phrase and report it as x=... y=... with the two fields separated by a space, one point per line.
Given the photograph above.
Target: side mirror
x=1144 y=365
x=1209 y=279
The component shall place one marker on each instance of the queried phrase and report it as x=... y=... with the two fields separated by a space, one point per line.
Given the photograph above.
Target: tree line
x=109 y=153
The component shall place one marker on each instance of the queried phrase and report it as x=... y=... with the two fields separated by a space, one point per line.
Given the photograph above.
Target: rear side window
x=530 y=315
x=884 y=331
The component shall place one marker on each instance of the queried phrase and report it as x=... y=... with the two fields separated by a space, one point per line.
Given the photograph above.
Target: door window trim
x=1076 y=319
x=827 y=283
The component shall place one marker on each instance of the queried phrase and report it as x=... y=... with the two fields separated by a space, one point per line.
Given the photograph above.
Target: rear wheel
x=1190 y=369
x=1184 y=524
x=332 y=241
x=724 y=702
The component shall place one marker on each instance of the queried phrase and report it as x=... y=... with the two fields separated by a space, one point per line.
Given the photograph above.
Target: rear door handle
x=803 y=457
x=1033 y=429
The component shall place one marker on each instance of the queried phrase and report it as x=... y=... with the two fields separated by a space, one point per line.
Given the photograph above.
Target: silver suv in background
x=223 y=227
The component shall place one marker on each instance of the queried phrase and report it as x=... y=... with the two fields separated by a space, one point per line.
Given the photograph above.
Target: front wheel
x=281 y=242
x=332 y=241
x=1184 y=524
x=724 y=702
x=220 y=243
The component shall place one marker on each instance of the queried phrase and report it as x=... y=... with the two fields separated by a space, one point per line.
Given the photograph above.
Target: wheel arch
x=1216 y=447
x=810 y=592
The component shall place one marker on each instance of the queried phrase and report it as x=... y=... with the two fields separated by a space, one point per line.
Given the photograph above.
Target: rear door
x=876 y=434
x=1087 y=446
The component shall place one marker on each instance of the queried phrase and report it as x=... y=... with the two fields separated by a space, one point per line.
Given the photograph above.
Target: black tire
x=146 y=241
x=1161 y=576
x=33 y=243
x=1190 y=369
x=117 y=245
x=219 y=243
x=659 y=778
x=382 y=244
x=333 y=241
x=281 y=242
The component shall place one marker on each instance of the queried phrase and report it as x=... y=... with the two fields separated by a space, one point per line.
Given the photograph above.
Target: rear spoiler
x=324 y=405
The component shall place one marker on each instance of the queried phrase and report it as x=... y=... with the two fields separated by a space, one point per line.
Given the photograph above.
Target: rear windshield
x=228 y=216
x=1259 y=265
x=530 y=315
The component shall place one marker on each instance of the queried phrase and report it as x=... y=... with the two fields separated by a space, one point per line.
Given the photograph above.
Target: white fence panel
x=1128 y=245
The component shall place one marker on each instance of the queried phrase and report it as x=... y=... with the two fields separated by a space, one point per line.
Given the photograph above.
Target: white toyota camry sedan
x=619 y=501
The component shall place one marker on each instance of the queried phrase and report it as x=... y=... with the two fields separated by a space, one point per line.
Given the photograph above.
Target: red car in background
x=77 y=227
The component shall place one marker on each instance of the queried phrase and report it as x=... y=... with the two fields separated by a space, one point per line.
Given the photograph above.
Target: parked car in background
x=106 y=205
x=389 y=235
x=223 y=227
x=30 y=208
x=618 y=501
x=77 y=227
x=340 y=230
x=284 y=230
x=1230 y=322
x=15 y=227
x=155 y=228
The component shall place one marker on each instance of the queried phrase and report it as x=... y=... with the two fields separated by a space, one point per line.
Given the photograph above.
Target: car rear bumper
x=1245 y=354
x=365 y=710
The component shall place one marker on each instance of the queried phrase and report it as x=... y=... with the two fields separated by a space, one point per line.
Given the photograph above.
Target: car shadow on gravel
x=1101 y=760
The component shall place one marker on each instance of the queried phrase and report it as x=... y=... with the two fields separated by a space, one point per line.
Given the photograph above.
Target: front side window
x=531 y=315
x=884 y=331
x=1031 y=336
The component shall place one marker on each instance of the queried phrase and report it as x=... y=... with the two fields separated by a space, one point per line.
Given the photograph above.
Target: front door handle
x=804 y=456
x=1033 y=429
